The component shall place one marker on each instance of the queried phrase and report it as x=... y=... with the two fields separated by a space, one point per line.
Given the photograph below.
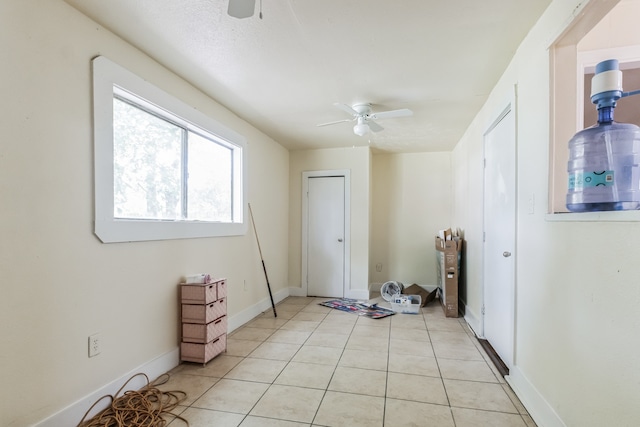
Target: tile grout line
x=290 y=360
x=245 y=416
x=446 y=393
x=389 y=327
x=287 y=364
x=386 y=384
x=324 y=394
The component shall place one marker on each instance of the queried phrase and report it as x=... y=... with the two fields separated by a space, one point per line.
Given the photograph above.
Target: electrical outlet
x=94 y=345
x=379 y=267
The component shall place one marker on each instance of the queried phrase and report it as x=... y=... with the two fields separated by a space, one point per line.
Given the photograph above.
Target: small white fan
x=390 y=289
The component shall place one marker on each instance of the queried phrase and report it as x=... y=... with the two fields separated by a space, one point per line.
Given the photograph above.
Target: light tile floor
x=316 y=366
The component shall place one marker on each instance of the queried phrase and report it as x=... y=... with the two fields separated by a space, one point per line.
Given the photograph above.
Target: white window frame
x=109 y=78
x=566 y=107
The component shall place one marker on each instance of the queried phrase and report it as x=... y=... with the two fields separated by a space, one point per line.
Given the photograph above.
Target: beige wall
x=576 y=352
x=411 y=201
x=398 y=202
x=59 y=283
x=576 y=346
x=618 y=28
x=358 y=161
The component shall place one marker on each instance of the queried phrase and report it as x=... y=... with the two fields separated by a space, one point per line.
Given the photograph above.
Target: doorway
x=498 y=310
x=325 y=233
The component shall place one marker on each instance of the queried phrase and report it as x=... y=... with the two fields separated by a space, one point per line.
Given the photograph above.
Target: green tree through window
x=163 y=168
x=163 y=171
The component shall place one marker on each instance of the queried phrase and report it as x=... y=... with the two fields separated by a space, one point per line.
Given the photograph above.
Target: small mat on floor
x=358 y=307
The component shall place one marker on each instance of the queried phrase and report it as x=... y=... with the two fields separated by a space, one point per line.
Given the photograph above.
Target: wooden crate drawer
x=222 y=289
x=204 y=314
x=203 y=293
x=198 y=293
x=198 y=333
x=202 y=353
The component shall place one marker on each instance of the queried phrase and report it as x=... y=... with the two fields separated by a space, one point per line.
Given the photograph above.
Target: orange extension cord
x=148 y=407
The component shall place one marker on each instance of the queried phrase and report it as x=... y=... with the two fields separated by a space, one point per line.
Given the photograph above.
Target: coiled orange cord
x=148 y=407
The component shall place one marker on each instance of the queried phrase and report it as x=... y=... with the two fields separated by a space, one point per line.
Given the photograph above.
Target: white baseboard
x=375 y=287
x=72 y=414
x=297 y=292
x=250 y=312
x=362 y=294
x=539 y=409
x=473 y=321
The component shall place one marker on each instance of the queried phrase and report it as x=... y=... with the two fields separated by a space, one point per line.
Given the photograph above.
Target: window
x=601 y=31
x=163 y=170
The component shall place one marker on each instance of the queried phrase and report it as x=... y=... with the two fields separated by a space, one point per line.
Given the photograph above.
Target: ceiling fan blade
x=347 y=109
x=241 y=8
x=374 y=126
x=392 y=113
x=336 y=122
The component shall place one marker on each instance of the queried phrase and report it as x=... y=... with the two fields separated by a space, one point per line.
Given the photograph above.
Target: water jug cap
x=606 y=85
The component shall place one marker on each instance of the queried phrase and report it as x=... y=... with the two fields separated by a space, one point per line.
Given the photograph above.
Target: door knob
x=506 y=254
x=339 y=240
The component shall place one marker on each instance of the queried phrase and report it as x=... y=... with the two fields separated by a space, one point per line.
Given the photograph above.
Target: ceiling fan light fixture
x=366 y=119
x=242 y=8
x=361 y=128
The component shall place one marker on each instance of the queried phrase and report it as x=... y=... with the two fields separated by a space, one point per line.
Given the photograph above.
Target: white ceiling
x=284 y=72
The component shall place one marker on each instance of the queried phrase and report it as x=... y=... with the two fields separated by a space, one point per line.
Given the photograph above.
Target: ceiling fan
x=364 y=117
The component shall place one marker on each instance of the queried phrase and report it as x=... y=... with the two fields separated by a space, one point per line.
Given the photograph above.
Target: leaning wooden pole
x=262 y=259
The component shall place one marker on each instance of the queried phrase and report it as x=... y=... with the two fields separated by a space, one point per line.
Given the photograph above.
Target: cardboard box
x=448 y=255
x=425 y=296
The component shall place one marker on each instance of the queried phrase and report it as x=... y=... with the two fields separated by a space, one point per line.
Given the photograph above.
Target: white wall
x=577 y=349
x=358 y=161
x=59 y=283
x=411 y=201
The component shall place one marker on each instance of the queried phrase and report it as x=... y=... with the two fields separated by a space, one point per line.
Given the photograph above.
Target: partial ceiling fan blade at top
x=241 y=8
x=374 y=126
x=347 y=109
x=336 y=122
x=392 y=113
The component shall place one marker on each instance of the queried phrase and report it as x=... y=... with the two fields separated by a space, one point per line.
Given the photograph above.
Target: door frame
x=509 y=106
x=346 y=174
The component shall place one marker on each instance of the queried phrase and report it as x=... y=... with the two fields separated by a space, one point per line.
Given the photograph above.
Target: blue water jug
x=604 y=173
x=604 y=160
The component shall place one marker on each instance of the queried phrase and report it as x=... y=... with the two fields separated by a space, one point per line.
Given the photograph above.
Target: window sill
x=119 y=231
x=604 y=216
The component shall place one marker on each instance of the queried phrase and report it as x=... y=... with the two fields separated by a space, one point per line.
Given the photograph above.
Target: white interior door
x=500 y=228
x=326 y=236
